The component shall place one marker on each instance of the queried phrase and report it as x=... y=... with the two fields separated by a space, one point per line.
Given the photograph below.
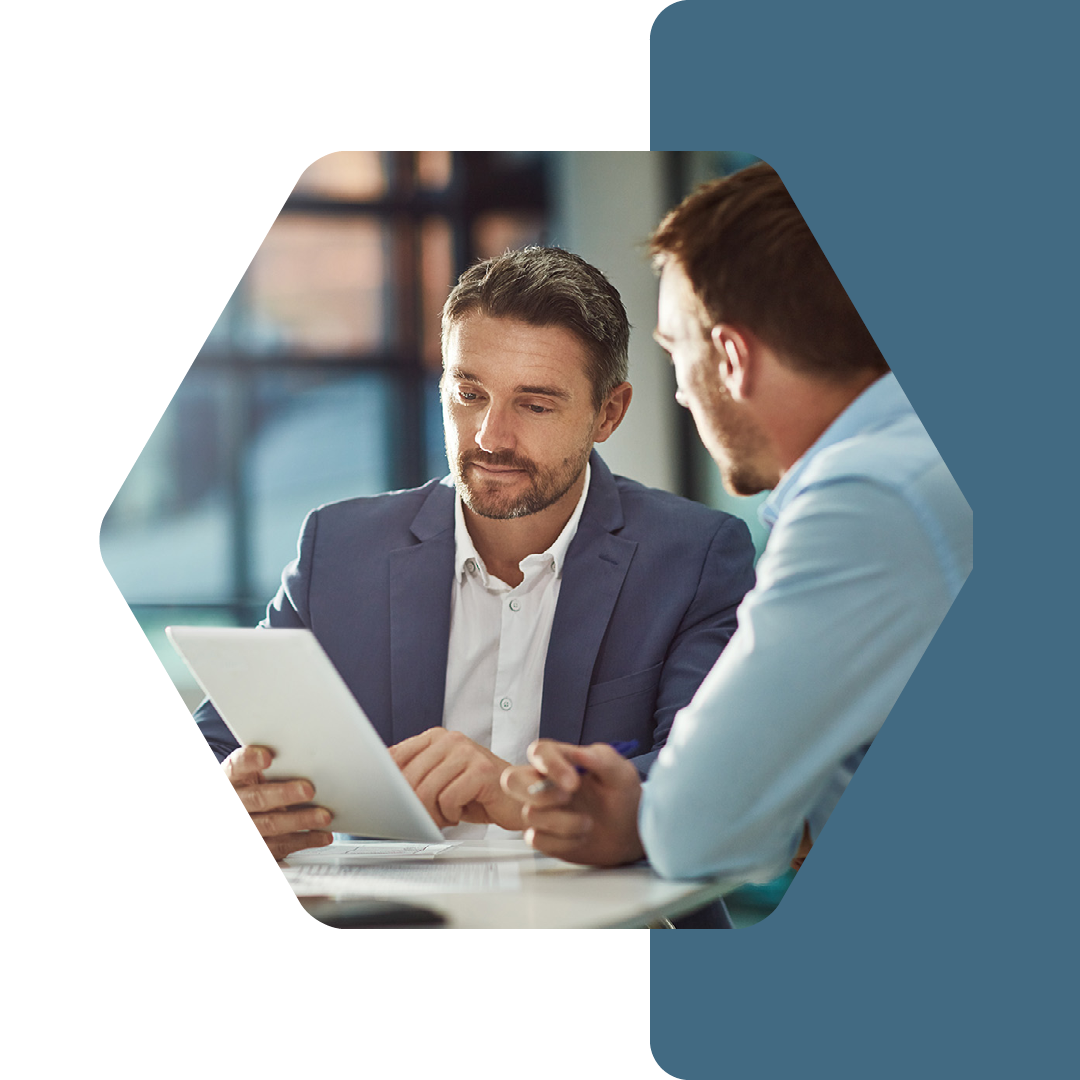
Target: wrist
x=505 y=811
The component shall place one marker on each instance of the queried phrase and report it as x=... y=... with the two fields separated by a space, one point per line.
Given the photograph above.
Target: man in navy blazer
x=643 y=585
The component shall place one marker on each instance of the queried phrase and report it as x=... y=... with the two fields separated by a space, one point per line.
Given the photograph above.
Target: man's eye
x=538 y=409
x=466 y=395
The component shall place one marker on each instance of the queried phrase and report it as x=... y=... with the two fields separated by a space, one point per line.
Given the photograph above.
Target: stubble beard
x=737 y=446
x=546 y=486
x=741 y=480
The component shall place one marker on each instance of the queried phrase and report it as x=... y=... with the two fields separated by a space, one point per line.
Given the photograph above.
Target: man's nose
x=496 y=432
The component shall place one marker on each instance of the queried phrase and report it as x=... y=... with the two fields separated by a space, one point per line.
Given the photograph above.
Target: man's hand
x=587 y=816
x=805 y=844
x=273 y=804
x=457 y=779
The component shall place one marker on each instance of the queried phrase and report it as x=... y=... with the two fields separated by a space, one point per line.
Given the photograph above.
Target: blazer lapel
x=421 y=576
x=593 y=573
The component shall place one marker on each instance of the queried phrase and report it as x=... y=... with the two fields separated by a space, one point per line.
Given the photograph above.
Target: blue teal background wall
x=932 y=149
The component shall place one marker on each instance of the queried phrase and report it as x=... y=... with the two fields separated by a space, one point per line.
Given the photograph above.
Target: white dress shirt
x=498 y=645
x=870 y=543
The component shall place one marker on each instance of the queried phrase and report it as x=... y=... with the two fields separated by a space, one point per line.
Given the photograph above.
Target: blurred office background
x=319 y=380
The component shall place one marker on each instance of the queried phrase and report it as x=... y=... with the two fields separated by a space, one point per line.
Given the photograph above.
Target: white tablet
x=277 y=688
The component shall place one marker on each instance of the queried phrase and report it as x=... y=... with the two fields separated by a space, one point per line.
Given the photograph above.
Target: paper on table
x=360 y=851
x=333 y=879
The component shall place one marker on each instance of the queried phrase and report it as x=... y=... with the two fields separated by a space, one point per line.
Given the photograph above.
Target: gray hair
x=549 y=287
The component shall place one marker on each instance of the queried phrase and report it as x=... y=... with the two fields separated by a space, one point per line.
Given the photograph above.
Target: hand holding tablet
x=277 y=689
x=280 y=809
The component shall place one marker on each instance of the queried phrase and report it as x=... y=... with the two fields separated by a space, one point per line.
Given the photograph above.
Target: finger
x=245 y=764
x=423 y=762
x=418 y=775
x=475 y=812
x=440 y=762
x=431 y=788
x=281 y=846
x=556 y=824
x=555 y=762
x=601 y=761
x=567 y=839
x=529 y=786
x=258 y=798
x=416 y=757
x=283 y=822
x=404 y=751
x=465 y=790
x=517 y=779
x=575 y=850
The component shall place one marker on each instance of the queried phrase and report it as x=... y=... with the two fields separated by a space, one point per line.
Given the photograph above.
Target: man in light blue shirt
x=870 y=542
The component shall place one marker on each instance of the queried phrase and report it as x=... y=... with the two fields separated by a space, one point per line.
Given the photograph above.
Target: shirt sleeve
x=849 y=593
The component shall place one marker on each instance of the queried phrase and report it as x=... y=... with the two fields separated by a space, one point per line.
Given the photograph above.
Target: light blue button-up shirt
x=870 y=542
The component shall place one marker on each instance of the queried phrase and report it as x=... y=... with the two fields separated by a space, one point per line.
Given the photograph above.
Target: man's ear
x=612 y=411
x=736 y=358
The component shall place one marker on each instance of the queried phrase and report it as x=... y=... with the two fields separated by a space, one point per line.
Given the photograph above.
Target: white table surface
x=504 y=884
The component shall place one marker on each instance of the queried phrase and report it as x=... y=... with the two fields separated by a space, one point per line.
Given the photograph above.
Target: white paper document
x=327 y=878
x=361 y=851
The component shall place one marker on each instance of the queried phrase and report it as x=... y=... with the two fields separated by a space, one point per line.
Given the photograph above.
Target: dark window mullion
x=239 y=433
x=407 y=452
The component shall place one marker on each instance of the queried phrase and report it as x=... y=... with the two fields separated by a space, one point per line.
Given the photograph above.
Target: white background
x=148 y=149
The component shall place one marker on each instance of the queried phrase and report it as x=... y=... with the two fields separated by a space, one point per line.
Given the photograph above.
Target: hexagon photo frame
x=320 y=384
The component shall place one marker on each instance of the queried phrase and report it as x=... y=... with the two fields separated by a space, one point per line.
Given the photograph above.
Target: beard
x=546 y=486
x=737 y=445
x=742 y=479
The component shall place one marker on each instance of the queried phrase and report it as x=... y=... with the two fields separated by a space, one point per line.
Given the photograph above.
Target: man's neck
x=810 y=412
x=503 y=543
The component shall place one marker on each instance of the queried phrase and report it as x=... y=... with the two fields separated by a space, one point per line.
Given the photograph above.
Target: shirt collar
x=879 y=404
x=465 y=549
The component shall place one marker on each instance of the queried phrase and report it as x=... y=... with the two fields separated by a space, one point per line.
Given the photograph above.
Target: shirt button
x=553 y=566
x=515 y=605
x=470 y=565
x=506 y=704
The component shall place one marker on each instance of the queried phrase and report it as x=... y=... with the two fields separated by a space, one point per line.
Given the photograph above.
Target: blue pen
x=625 y=749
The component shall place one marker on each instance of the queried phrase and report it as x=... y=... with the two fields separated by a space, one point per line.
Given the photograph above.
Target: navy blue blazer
x=651 y=583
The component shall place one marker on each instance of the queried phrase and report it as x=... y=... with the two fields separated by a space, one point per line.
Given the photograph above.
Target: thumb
x=245 y=765
x=602 y=761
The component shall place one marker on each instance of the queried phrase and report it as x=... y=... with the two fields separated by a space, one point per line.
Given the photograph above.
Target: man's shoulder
x=388 y=511
x=654 y=509
x=894 y=475
x=899 y=455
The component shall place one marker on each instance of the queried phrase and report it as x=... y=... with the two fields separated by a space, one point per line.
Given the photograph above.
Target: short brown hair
x=753 y=261
x=549 y=287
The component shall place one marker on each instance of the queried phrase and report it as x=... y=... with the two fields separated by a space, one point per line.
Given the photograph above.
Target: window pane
x=153 y=621
x=437 y=272
x=499 y=231
x=166 y=537
x=317 y=286
x=346 y=175
x=433 y=169
x=435 y=437
x=319 y=440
